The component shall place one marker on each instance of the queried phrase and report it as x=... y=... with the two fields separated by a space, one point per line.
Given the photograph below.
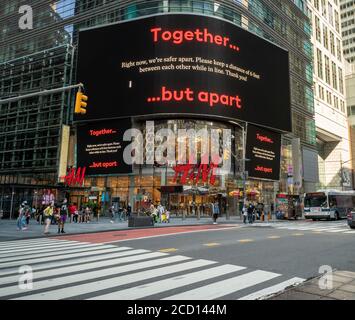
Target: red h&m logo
x=75 y=176
x=187 y=172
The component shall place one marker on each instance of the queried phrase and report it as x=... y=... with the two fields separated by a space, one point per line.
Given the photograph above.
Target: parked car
x=351 y=219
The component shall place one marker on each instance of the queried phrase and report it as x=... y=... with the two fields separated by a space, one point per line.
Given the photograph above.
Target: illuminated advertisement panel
x=183 y=64
x=100 y=147
x=263 y=153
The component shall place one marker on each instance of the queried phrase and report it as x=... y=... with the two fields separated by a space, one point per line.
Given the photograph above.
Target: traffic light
x=226 y=154
x=80 y=103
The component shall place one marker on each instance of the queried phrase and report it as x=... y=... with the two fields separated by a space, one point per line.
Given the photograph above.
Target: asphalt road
x=294 y=253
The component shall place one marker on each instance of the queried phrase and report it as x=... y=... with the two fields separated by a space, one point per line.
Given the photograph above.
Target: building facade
x=350 y=101
x=284 y=23
x=330 y=104
x=347 y=9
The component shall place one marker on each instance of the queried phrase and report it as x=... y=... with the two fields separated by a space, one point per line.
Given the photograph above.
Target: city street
x=225 y=261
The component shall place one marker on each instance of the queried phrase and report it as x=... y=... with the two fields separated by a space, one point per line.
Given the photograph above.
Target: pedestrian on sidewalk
x=216 y=212
x=251 y=210
x=40 y=215
x=48 y=214
x=161 y=211
x=81 y=214
x=73 y=211
x=129 y=210
x=113 y=214
x=28 y=212
x=21 y=220
x=87 y=214
x=245 y=213
x=120 y=213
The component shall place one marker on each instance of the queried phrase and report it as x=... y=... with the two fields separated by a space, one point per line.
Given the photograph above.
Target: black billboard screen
x=100 y=147
x=183 y=64
x=263 y=149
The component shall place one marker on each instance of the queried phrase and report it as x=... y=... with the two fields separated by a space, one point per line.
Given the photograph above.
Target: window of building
x=327 y=69
x=316 y=4
x=338 y=49
x=334 y=74
x=329 y=97
x=324 y=8
x=330 y=14
x=341 y=81
x=319 y=64
x=321 y=92
x=342 y=106
x=337 y=24
x=325 y=37
x=332 y=43
x=317 y=27
x=336 y=102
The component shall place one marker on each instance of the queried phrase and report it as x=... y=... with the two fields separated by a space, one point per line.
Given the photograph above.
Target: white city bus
x=328 y=204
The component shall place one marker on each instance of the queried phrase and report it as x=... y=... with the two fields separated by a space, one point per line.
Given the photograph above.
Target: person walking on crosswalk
x=63 y=216
x=48 y=214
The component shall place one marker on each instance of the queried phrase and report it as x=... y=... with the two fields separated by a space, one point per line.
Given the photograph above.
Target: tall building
x=347 y=9
x=43 y=58
x=30 y=129
x=350 y=101
x=329 y=88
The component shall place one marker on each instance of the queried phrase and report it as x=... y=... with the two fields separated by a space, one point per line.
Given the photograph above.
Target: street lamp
x=12 y=204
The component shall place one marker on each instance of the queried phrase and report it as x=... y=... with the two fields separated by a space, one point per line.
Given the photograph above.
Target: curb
x=111 y=230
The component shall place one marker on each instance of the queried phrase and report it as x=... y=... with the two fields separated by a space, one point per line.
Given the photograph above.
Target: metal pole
x=12 y=202
x=244 y=159
x=341 y=175
x=41 y=93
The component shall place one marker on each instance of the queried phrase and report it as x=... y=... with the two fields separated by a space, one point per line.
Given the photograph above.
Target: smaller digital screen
x=100 y=147
x=263 y=149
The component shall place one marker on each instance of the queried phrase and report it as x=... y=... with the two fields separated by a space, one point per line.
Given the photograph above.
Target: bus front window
x=320 y=201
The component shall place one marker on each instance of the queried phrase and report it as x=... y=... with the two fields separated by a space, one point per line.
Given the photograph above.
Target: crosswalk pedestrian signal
x=80 y=103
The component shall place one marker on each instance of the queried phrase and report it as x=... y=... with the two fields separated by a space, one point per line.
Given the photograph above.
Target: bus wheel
x=314 y=219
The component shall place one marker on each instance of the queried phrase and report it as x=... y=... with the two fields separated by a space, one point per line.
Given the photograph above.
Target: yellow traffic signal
x=226 y=154
x=80 y=103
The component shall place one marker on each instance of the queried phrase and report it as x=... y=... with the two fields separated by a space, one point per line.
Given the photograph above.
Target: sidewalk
x=8 y=229
x=343 y=288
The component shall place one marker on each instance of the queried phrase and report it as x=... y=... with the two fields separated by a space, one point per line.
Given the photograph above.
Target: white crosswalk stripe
x=273 y=289
x=225 y=287
x=320 y=226
x=77 y=248
x=29 y=242
x=110 y=272
x=168 y=284
x=52 y=248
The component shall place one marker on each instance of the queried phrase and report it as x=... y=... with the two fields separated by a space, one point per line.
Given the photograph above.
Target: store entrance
x=192 y=205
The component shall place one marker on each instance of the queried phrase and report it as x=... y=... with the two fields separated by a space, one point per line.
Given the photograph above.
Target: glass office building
x=31 y=130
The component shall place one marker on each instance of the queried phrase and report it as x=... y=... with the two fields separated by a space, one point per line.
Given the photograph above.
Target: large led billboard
x=263 y=150
x=183 y=64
